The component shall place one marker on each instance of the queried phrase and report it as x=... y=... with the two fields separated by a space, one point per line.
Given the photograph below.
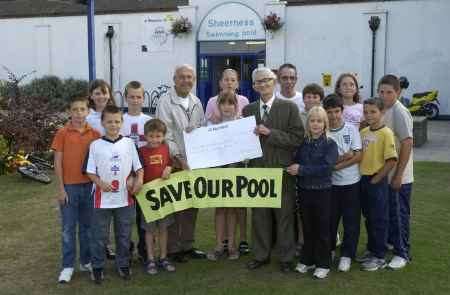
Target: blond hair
x=322 y=114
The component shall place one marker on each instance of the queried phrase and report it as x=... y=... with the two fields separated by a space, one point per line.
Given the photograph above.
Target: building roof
x=39 y=8
x=35 y=8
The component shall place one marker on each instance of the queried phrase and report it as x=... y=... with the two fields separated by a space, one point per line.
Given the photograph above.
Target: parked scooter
x=421 y=104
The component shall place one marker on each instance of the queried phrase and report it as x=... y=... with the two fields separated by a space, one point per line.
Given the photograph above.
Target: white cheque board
x=222 y=144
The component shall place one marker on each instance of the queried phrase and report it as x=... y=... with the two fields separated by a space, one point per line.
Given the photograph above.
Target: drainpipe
x=110 y=35
x=374 y=24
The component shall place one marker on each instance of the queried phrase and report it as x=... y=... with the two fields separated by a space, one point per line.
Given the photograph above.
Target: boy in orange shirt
x=71 y=144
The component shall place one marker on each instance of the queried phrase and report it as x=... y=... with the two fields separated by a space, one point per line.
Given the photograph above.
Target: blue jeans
x=123 y=219
x=399 y=214
x=375 y=209
x=78 y=210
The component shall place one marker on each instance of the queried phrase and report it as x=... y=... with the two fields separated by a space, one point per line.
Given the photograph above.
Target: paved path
x=437 y=148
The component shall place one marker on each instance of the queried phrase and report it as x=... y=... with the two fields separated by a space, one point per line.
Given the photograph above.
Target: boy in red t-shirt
x=157 y=164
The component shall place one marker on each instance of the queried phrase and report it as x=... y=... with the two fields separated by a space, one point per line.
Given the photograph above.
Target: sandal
x=215 y=254
x=151 y=267
x=166 y=265
x=233 y=254
x=244 y=248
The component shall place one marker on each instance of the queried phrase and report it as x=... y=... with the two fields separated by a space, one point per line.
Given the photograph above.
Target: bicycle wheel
x=32 y=172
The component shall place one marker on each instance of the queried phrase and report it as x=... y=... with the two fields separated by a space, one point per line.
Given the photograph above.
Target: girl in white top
x=347 y=87
x=99 y=97
x=226 y=218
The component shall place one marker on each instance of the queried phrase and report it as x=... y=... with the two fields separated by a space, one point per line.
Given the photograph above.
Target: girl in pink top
x=347 y=88
x=229 y=83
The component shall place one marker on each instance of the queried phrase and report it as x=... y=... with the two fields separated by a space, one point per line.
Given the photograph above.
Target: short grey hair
x=184 y=67
x=265 y=70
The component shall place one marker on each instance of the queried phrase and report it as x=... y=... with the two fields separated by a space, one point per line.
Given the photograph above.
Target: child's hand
x=166 y=173
x=348 y=155
x=62 y=198
x=293 y=169
x=106 y=187
x=137 y=185
x=130 y=183
x=375 y=179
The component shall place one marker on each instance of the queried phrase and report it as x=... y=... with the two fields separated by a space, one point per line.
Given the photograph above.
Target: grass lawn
x=30 y=253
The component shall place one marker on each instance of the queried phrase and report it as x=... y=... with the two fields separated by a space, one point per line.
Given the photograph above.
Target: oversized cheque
x=222 y=144
x=217 y=187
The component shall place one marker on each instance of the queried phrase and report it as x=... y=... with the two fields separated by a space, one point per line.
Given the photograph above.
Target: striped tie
x=265 y=115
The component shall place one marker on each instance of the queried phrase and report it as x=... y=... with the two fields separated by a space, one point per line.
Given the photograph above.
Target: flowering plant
x=272 y=22
x=181 y=25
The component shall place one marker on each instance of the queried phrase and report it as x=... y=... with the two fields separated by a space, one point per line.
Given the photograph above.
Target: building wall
x=318 y=39
x=336 y=38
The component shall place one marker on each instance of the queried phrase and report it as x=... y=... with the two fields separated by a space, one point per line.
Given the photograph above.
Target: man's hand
x=261 y=130
x=293 y=169
x=189 y=129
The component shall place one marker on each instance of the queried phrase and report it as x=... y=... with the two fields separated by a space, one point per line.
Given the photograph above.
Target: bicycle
x=32 y=167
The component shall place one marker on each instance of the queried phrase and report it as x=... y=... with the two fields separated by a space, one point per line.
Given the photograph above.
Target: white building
x=319 y=36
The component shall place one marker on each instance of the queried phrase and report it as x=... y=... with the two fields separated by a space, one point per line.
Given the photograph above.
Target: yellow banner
x=213 y=187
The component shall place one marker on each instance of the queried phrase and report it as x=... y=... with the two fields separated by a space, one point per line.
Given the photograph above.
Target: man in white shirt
x=287 y=78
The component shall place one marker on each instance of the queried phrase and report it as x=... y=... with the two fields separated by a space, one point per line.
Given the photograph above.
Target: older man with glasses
x=280 y=131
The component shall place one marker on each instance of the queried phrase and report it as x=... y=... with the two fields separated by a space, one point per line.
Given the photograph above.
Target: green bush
x=57 y=91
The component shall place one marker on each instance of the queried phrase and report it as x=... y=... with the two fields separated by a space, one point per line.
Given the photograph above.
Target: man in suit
x=280 y=131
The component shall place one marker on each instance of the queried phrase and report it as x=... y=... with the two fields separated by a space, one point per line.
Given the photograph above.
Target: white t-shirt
x=353 y=114
x=95 y=120
x=297 y=99
x=113 y=162
x=133 y=127
x=184 y=101
x=347 y=139
x=400 y=121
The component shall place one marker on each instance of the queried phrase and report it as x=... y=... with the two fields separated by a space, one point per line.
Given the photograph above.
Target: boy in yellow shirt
x=379 y=157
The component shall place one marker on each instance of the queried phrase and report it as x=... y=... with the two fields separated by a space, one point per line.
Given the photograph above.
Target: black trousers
x=315 y=213
x=345 y=204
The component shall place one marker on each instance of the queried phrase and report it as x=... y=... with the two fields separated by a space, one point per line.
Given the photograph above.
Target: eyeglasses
x=263 y=81
x=288 y=78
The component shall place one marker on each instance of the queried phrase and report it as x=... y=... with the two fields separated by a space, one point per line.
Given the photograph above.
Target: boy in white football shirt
x=109 y=164
x=345 y=201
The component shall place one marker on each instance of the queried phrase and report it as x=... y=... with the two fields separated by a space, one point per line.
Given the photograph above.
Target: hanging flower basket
x=181 y=25
x=272 y=22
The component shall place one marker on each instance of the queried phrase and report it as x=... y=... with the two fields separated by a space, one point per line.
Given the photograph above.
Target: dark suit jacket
x=286 y=134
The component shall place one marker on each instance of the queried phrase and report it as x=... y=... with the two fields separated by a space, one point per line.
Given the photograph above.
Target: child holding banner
x=157 y=164
x=226 y=218
x=314 y=163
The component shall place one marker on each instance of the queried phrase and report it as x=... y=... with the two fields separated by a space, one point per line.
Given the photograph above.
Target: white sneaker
x=397 y=262
x=344 y=264
x=321 y=273
x=66 y=275
x=303 y=268
x=86 y=267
